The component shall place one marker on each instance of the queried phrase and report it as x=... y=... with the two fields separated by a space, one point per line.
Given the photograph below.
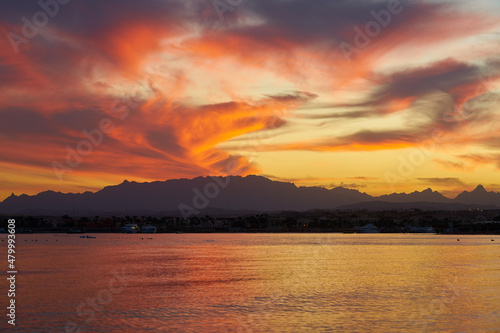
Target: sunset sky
x=380 y=96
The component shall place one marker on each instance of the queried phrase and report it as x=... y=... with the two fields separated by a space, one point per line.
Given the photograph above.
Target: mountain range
x=231 y=195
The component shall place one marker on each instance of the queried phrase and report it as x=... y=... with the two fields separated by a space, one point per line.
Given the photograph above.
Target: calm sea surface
x=255 y=283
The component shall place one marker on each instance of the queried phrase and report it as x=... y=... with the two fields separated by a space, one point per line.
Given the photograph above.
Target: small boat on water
x=368 y=229
x=130 y=228
x=149 y=229
x=87 y=236
x=423 y=230
x=75 y=231
x=179 y=232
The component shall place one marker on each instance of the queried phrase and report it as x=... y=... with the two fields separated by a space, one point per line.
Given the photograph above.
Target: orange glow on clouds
x=192 y=111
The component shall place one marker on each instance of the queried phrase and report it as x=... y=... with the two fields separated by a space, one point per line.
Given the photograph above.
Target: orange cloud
x=451 y=165
x=66 y=79
x=192 y=134
x=479 y=159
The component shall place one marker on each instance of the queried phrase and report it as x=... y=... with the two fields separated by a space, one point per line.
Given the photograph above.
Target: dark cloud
x=94 y=17
x=441 y=76
x=294 y=95
x=320 y=21
x=380 y=137
x=347 y=115
x=442 y=181
x=78 y=120
x=451 y=164
x=362 y=178
x=352 y=186
x=482 y=158
x=446 y=95
x=165 y=141
x=17 y=123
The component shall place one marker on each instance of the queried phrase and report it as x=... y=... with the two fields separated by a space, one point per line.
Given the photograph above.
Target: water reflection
x=260 y=283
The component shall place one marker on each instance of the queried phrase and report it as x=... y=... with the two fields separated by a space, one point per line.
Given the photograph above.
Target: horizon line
x=270 y=178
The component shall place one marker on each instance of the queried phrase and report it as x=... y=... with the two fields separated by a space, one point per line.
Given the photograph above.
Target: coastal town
x=339 y=221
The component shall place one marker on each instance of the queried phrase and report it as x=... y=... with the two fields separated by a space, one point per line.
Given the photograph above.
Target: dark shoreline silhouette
x=314 y=221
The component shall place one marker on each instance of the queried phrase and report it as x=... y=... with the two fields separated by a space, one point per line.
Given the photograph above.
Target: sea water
x=255 y=283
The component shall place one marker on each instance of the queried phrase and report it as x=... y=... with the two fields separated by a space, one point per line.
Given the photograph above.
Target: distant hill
x=423 y=205
x=229 y=195
x=479 y=196
x=425 y=196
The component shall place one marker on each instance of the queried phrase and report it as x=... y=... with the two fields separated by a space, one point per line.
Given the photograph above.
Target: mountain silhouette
x=425 y=196
x=187 y=197
x=479 y=196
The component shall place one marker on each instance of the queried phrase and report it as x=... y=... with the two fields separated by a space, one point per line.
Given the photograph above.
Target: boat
x=87 y=236
x=368 y=229
x=423 y=230
x=450 y=229
x=179 y=232
x=149 y=229
x=75 y=231
x=130 y=228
